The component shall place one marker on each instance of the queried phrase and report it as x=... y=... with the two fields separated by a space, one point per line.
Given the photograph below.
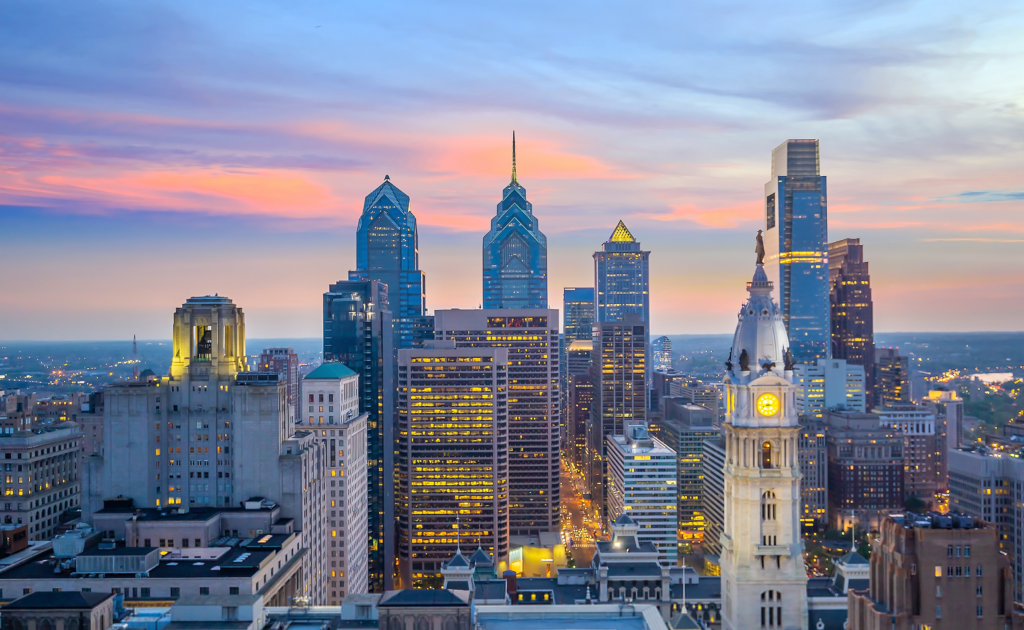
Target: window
x=938 y=612
x=949 y=571
x=913 y=569
x=175 y=591
x=234 y=590
x=938 y=590
x=145 y=591
x=959 y=572
x=766 y=455
x=949 y=551
x=979 y=590
x=771 y=609
x=967 y=551
x=938 y=571
x=979 y=611
x=204 y=590
x=979 y=570
x=147 y=543
x=958 y=551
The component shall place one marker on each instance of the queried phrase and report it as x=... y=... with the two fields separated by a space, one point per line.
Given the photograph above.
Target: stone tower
x=764 y=583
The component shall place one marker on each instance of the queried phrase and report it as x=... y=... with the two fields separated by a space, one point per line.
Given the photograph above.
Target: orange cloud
x=723 y=217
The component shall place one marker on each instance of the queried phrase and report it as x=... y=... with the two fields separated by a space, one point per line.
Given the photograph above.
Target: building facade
x=713 y=465
x=687 y=435
x=531 y=338
x=618 y=374
x=621 y=278
x=387 y=250
x=515 y=252
x=284 y=362
x=577 y=313
x=642 y=485
x=661 y=354
x=892 y=377
x=330 y=410
x=813 y=451
x=936 y=571
x=796 y=247
x=453 y=457
x=764 y=583
x=829 y=384
x=921 y=453
x=357 y=333
x=851 y=308
x=865 y=470
x=211 y=434
x=41 y=477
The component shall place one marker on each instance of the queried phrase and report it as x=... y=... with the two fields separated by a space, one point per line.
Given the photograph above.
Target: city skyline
x=107 y=168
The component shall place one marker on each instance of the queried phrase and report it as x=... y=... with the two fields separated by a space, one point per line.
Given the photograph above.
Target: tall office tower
x=892 y=377
x=330 y=410
x=829 y=384
x=763 y=576
x=515 y=252
x=713 y=467
x=621 y=278
x=51 y=484
x=641 y=471
x=531 y=337
x=578 y=313
x=865 y=470
x=358 y=333
x=852 y=310
x=661 y=354
x=813 y=455
x=387 y=249
x=453 y=457
x=971 y=586
x=284 y=362
x=579 y=396
x=703 y=394
x=620 y=393
x=686 y=435
x=918 y=426
x=796 y=247
x=212 y=434
x=949 y=428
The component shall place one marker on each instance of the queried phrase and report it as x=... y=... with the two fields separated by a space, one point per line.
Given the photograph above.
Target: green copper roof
x=330 y=371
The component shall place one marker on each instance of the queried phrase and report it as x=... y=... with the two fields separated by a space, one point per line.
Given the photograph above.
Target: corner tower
x=515 y=269
x=764 y=583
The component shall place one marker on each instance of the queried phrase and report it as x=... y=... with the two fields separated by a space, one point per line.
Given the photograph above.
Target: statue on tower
x=759 y=249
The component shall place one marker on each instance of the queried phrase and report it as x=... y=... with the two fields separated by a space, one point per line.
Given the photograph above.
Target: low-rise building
x=94 y=611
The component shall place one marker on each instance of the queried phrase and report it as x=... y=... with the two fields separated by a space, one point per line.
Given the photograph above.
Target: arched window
x=771 y=609
x=766 y=455
x=768 y=505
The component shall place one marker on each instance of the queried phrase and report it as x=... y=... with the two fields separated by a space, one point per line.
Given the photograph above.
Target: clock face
x=768 y=404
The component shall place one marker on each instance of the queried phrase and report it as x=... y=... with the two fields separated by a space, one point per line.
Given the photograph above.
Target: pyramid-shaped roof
x=459 y=561
x=480 y=557
x=621 y=234
x=624 y=520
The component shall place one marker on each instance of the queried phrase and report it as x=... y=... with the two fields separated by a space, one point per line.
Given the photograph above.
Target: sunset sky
x=152 y=151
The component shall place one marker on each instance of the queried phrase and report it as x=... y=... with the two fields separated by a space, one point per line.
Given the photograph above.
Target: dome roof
x=760 y=343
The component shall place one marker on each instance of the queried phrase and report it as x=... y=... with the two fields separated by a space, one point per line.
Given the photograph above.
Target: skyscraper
x=661 y=354
x=577 y=313
x=387 y=250
x=515 y=252
x=285 y=362
x=852 y=311
x=453 y=457
x=358 y=333
x=621 y=278
x=531 y=337
x=796 y=247
x=892 y=377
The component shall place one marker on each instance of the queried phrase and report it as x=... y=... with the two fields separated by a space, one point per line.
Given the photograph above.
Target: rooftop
x=330 y=371
x=59 y=600
x=422 y=597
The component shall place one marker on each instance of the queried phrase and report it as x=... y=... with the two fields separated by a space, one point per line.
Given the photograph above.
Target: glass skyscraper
x=387 y=250
x=358 y=333
x=515 y=268
x=621 y=278
x=577 y=313
x=853 y=329
x=796 y=247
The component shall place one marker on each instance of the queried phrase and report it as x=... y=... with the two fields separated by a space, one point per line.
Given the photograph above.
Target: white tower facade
x=764 y=583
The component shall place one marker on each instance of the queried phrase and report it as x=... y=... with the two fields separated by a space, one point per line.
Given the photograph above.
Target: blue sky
x=154 y=151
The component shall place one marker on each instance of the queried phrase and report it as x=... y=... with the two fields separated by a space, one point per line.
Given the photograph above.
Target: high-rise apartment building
x=851 y=308
x=661 y=354
x=918 y=426
x=330 y=410
x=865 y=469
x=641 y=485
x=936 y=571
x=515 y=258
x=212 y=434
x=577 y=313
x=829 y=384
x=796 y=247
x=453 y=457
x=387 y=250
x=764 y=583
x=813 y=455
x=892 y=377
x=284 y=362
x=620 y=393
x=358 y=333
x=687 y=435
x=41 y=477
x=531 y=337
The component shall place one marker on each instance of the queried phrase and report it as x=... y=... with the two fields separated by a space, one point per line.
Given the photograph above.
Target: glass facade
x=796 y=247
x=852 y=310
x=387 y=250
x=577 y=313
x=661 y=354
x=515 y=272
x=358 y=333
x=621 y=278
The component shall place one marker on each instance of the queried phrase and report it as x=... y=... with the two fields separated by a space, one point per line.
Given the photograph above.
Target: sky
x=154 y=151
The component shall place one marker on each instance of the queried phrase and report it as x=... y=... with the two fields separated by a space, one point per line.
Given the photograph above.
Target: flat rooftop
x=235 y=563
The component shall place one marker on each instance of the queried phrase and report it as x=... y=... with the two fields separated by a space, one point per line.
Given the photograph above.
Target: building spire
x=514 y=180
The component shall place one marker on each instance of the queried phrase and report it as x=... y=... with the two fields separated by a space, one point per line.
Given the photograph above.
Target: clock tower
x=764 y=583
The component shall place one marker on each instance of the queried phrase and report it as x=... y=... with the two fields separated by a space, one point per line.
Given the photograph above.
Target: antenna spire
x=458 y=530
x=514 y=180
